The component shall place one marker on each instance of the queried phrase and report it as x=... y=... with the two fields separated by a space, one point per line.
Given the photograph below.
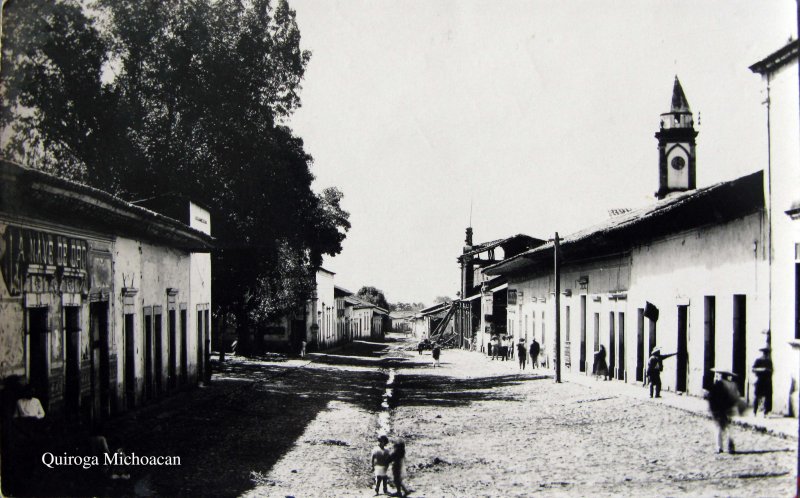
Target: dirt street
x=473 y=427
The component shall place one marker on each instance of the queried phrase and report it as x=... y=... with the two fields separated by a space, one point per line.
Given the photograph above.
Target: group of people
x=501 y=347
x=382 y=458
x=522 y=353
x=724 y=400
x=436 y=350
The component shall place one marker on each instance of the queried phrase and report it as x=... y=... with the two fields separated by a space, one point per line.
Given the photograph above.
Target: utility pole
x=557 y=273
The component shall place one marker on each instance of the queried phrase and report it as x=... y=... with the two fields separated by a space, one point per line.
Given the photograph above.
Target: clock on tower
x=676 y=146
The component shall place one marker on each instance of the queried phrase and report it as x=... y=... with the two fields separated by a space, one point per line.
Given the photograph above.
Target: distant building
x=688 y=273
x=401 y=320
x=322 y=323
x=428 y=319
x=481 y=312
x=369 y=320
x=782 y=125
x=105 y=305
x=344 y=315
x=319 y=322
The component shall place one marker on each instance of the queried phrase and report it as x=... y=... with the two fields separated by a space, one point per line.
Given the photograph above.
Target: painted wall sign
x=512 y=297
x=22 y=247
x=100 y=271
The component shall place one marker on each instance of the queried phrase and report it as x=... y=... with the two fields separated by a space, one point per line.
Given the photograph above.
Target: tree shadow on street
x=250 y=416
x=443 y=391
x=760 y=452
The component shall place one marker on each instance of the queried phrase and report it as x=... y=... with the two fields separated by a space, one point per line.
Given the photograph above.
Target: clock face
x=678 y=163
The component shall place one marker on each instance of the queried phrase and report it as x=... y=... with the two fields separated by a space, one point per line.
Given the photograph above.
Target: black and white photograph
x=412 y=248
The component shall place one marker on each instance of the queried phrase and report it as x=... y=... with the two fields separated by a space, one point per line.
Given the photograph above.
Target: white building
x=689 y=273
x=782 y=125
x=104 y=304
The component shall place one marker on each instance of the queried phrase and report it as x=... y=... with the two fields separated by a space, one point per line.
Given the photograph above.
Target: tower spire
x=679 y=102
x=676 y=146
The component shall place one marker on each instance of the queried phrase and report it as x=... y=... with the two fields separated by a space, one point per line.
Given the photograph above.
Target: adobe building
x=367 y=320
x=781 y=125
x=481 y=312
x=105 y=305
x=688 y=273
x=344 y=314
x=322 y=327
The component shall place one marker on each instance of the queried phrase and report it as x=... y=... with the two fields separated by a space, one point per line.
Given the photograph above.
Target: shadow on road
x=759 y=452
x=432 y=390
x=243 y=423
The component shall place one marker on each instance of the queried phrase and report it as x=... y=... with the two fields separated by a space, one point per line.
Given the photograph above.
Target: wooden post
x=557 y=275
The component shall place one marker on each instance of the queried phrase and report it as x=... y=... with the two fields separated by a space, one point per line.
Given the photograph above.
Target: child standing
x=437 y=351
x=398 y=468
x=379 y=461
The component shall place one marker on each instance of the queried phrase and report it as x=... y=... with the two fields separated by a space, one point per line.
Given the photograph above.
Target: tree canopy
x=406 y=306
x=373 y=295
x=143 y=98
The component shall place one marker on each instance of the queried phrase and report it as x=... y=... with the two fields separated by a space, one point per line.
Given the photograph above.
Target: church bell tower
x=676 y=146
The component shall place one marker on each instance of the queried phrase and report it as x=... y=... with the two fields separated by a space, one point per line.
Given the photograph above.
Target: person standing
x=398 y=457
x=379 y=460
x=600 y=362
x=655 y=366
x=522 y=354
x=535 y=348
x=600 y=365
x=762 y=367
x=303 y=348
x=437 y=351
x=722 y=399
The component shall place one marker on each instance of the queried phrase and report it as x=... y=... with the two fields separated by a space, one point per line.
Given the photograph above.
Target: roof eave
x=777 y=59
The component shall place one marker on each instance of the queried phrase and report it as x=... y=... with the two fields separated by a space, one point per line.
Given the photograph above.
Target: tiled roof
x=716 y=204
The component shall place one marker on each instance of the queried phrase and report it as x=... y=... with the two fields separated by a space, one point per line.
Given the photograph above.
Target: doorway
x=200 y=346
x=709 y=340
x=612 y=359
x=652 y=336
x=37 y=354
x=172 y=332
x=158 y=346
x=640 y=345
x=72 y=381
x=148 y=354
x=682 y=360
x=621 y=345
x=184 y=353
x=583 y=334
x=130 y=359
x=298 y=335
x=98 y=330
x=740 y=340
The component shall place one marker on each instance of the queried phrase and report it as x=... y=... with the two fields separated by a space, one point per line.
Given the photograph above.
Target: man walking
x=534 y=353
x=722 y=399
x=762 y=367
x=522 y=354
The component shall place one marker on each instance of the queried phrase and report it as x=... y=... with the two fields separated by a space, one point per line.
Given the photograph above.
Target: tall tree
x=373 y=295
x=143 y=97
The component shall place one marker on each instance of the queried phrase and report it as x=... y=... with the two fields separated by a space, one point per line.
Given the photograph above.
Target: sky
x=534 y=116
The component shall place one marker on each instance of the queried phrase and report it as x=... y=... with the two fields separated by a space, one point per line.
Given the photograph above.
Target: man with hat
x=722 y=399
x=762 y=367
x=654 y=367
x=522 y=353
